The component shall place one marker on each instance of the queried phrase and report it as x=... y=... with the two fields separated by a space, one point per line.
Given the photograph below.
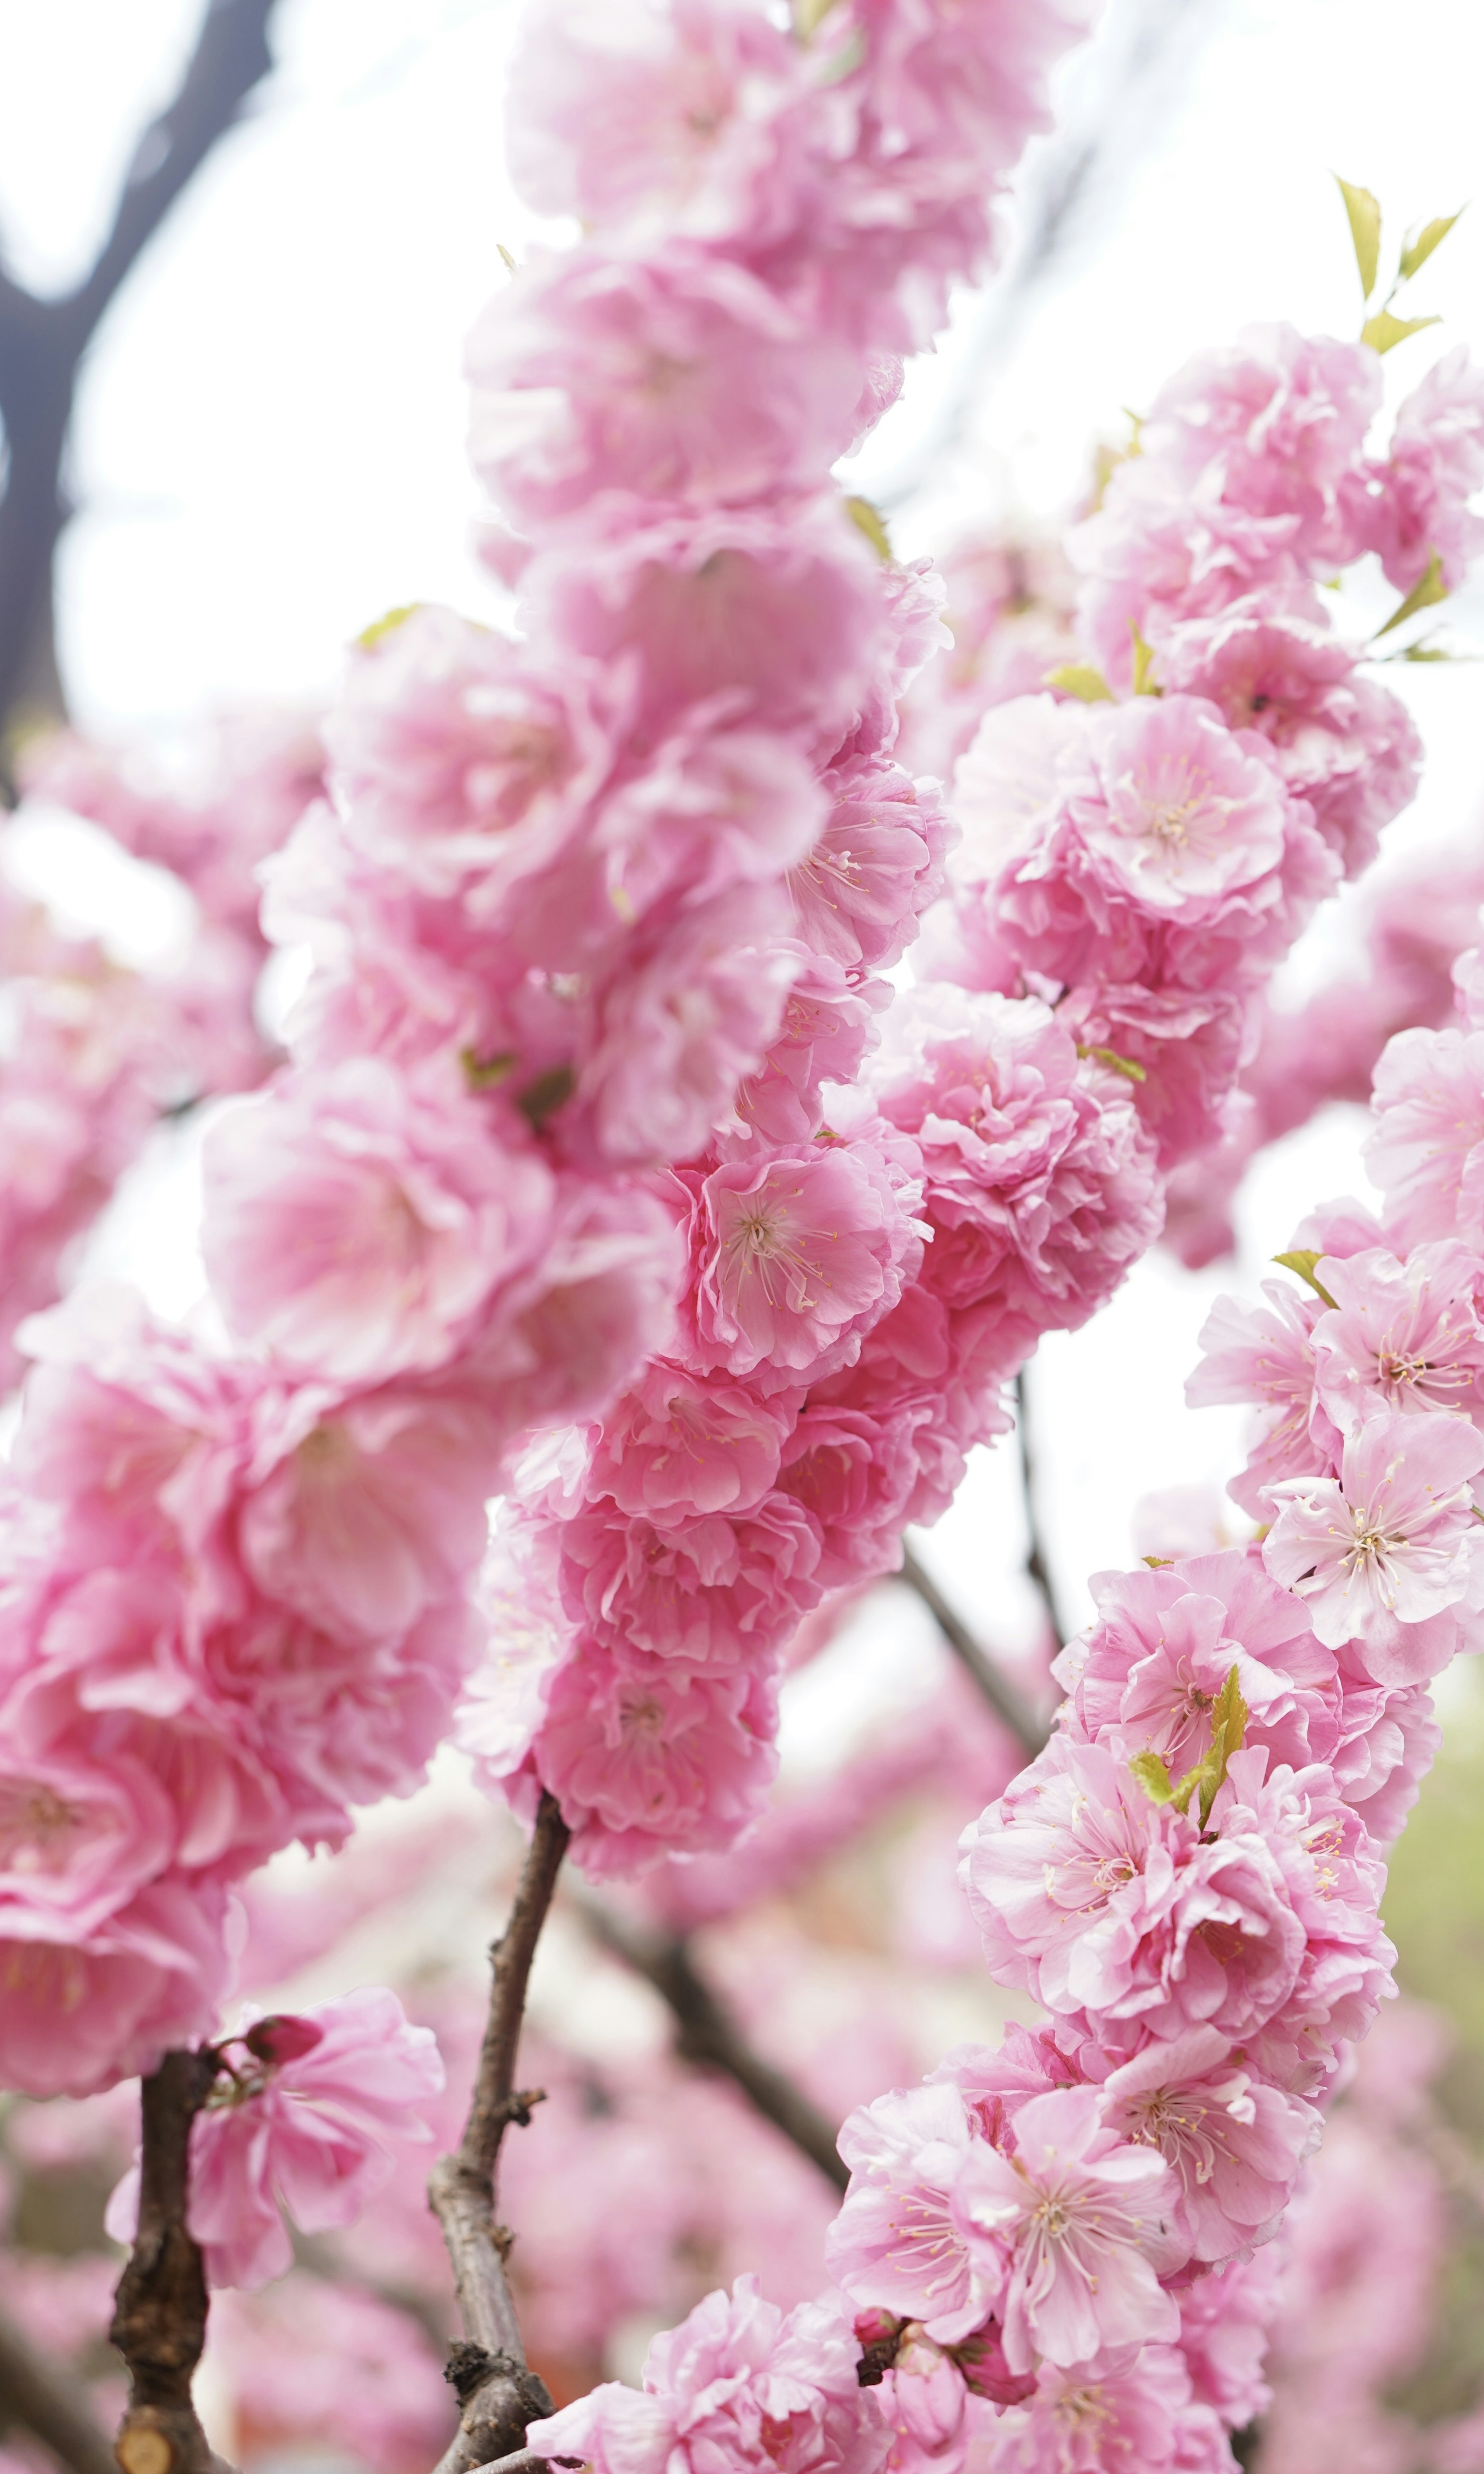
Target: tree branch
x=160 y=2313
x=1036 y=1564
x=38 y=2396
x=1005 y=1698
x=706 y=2034
x=498 y=2394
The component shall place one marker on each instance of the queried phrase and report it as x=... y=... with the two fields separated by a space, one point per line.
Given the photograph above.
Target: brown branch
x=498 y=2394
x=42 y=344
x=38 y=2396
x=1005 y=1698
x=1036 y=1564
x=160 y=2313
x=706 y=2034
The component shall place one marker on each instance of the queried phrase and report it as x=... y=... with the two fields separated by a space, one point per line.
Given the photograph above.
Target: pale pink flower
x=924 y=2400
x=80 y=2014
x=681 y=1444
x=895 y=2243
x=828 y=1026
x=875 y=865
x=80 y=1834
x=796 y=1258
x=1084 y=2223
x=1404 y=1336
x=1234 y=2145
x=1224 y=2322
x=357 y=1227
x=736 y=2385
x=1265 y=1354
x=1388 y=1742
x=301 y=2119
x=1281 y=415
x=1435 y=467
x=1378 y=1552
x=1123 y=2410
x=1426 y=1151
x=1182 y=813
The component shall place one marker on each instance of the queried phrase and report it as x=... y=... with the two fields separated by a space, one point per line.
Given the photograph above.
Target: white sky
x=268 y=451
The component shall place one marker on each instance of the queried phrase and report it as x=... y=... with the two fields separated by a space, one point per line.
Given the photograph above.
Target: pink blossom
x=1039 y=1187
x=645 y=1755
x=680 y=1444
x=1426 y=1151
x=711 y=1590
x=924 y=2399
x=1234 y=2145
x=79 y=1836
x=1265 y=1354
x=1378 y=1552
x=1281 y=415
x=875 y=865
x=1436 y=465
x=301 y=2119
x=855 y=1475
x=895 y=2243
x=796 y=1258
x=315 y=2361
x=1161 y=550
x=1224 y=2324
x=1404 y=1336
x=828 y=1026
x=357 y=1227
x=1083 y=2224
x=1388 y=1742
x=80 y=2014
x=1123 y=2409
x=736 y=2385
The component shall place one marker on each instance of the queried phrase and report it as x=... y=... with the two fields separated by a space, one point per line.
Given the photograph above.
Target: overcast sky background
x=268 y=454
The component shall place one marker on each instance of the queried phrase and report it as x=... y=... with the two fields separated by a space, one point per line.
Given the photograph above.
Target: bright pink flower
x=712 y=1591
x=1123 y=2410
x=827 y=1026
x=854 y=1475
x=1388 y=1743
x=680 y=1444
x=895 y=2243
x=301 y=2119
x=648 y=1757
x=1405 y=1336
x=924 y=2400
x=1039 y=1187
x=796 y=1258
x=80 y=2014
x=1084 y=2223
x=1234 y=2145
x=78 y=1835
x=1426 y=1151
x=873 y=868
x=736 y=2385
x=357 y=1227
x=1377 y=1553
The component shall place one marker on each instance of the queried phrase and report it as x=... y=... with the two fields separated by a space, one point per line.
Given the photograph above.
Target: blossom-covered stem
x=1036 y=1560
x=35 y=2395
x=159 y=2313
x=498 y=2394
x=707 y=2034
x=1009 y=1704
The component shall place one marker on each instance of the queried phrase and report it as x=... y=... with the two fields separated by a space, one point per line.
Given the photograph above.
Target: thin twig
x=160 y=2312
x=42 y=343
x=1036 y=1564
x=1005 y=1698
x=39 y=2397
x=498 y=2394
x=706 y=2033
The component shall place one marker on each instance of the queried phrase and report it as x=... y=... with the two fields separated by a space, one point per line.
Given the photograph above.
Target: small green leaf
x=1426 y=653
x=868 y=519
x=809 y=15
x=1416 y=253
x=1120 y=1064
x=386 y=625
x=1365 y=221
x=1143 y=663
x=1153 y=1776
x=1158 y=1562
x=1382 y=331
x=510 y=262
x=1303 y=1260
x=1080 y=680
x=483 y=1073
x=1422 y=595
x=1229 y=1727
x=541 y=1099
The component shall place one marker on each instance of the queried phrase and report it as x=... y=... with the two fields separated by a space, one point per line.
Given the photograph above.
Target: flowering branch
x=38 y=2397
x=159 y=2313
x=1009 y=1704
x=707 y=2035
x=497 y=2395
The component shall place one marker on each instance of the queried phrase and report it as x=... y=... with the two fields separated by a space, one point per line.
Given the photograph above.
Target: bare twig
x=498 y=2394
x=42 y=343
x=38 y=2396
x=1036 y=1564
x=160 y=2313
x=705 y=2033
x=1009 y=1704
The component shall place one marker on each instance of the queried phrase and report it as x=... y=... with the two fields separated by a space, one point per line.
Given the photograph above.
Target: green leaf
x=1158 y=1562
x=549 y=1092
x=1143 y=663
x=809 y=15
x=1383 y=330
x=1153 y=1776
x=1416 y=253
x=870 y=520
x=511 y=264
x=386 y=625
x=1120 y=1064
x=1229 y=1727
x=1422 y=595
x=1428 y=653
x=1080 y=680
x=483 y=1073
x=1303 y=1260
x=1365 y=221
